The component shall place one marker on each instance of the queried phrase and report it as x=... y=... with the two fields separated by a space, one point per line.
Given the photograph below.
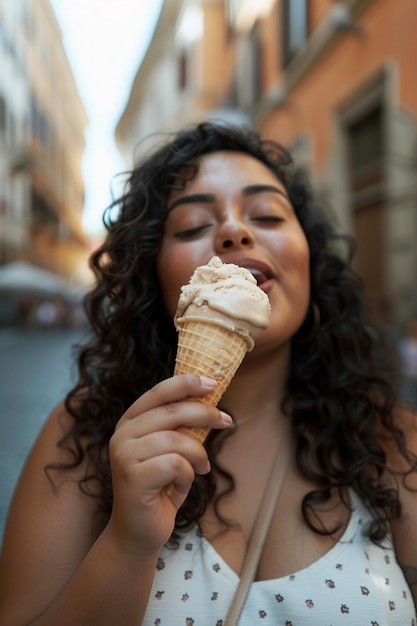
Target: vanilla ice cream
x=228 y=295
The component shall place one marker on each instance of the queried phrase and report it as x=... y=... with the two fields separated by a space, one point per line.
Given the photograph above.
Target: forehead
x=236 y=169
x=225 y=173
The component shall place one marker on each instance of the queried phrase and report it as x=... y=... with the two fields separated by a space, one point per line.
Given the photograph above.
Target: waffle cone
x=211 y=350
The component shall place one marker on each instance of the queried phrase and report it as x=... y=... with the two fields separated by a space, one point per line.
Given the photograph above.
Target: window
x=248 y=70
x=366 y=163
x=255 y=62
x=182 y=70
x=43 y=216
x=294 y=27
x=3 y=114
x=39 y=124
x=12 y=129
x=231 y=10
x=366 y=150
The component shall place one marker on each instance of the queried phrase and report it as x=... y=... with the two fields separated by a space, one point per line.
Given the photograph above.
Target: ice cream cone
x=219 y=315
x=211 y=350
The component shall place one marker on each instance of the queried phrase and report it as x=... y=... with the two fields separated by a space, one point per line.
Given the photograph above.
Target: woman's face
x=235 y=208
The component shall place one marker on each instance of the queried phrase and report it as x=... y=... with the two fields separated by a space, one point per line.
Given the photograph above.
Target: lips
x=259 y=270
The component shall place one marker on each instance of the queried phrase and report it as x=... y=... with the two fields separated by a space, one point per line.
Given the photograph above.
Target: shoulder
x=404 y=468
x=51 y=524
x=49 y=484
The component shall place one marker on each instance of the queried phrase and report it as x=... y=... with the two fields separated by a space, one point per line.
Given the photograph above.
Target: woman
x=93 y=537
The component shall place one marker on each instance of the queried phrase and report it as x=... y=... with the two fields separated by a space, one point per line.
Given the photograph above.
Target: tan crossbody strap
x=257 y=539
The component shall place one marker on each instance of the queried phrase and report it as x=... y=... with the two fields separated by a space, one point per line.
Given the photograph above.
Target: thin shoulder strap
x=257 y=539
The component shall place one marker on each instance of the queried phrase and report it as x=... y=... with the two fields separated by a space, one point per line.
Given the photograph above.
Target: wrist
x=124 y=548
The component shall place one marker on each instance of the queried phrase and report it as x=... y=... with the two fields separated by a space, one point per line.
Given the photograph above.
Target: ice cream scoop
x=227 y=295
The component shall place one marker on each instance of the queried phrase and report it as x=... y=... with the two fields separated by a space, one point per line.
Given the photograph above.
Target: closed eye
x=191 y=232
x=268 y=218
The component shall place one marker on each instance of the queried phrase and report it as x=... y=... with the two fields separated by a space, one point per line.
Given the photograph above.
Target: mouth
x=261 y=272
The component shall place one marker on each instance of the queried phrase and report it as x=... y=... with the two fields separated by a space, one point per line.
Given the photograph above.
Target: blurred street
x=36 y=370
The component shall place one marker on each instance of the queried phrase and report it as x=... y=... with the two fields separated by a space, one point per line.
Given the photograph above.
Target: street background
x=36 y=371
x=332 y=80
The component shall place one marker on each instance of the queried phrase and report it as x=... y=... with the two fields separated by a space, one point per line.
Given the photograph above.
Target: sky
x=105 y=41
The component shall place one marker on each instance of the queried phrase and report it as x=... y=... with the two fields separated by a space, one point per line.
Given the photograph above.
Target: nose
x=233 y=233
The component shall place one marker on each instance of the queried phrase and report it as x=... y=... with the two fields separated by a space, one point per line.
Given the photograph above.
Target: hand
x=147 y=453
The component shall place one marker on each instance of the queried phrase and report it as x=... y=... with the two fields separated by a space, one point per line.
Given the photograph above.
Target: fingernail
x=226 y=418
x=208 y=382
x=207 y=468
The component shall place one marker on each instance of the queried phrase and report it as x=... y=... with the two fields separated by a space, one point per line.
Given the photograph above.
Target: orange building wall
x=318 y=9
x=271 y=49
x=389 y=33
x=216 y=55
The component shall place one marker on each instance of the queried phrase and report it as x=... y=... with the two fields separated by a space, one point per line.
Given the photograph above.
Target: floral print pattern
x=355 y=584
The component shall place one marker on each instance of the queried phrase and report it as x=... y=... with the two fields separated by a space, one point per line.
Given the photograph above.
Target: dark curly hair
x=338 y=393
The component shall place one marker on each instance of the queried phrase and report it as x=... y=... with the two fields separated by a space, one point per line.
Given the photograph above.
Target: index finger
x=171 y=390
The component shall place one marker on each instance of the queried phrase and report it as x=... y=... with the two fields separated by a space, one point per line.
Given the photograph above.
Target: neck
x=258 y=386
x=262 y=431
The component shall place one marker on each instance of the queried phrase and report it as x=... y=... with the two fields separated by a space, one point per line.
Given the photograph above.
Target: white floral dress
x=354 y=584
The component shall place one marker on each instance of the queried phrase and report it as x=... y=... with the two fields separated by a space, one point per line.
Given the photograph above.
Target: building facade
x=331 y=80
x=14 y=115
x=42 y=125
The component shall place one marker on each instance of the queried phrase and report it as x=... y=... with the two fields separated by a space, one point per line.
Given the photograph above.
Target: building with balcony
x=42 y=125
x=55 y=144
x=14 y=115
x=331 y=80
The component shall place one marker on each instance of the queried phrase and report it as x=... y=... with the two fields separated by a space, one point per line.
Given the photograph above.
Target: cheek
x=295 y=273
x=294 y=258
x=174 y=268
x=304 y=266
x=301 y=273
x=302 y=284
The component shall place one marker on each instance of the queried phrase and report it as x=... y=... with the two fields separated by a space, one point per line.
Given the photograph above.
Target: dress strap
x=257 y=538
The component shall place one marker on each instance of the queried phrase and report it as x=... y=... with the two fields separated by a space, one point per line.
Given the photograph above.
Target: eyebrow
x=253 y=189
x=209 y=198
x=192 y=199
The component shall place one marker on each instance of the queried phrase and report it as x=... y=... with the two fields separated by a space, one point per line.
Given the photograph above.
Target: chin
x=268 y=343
